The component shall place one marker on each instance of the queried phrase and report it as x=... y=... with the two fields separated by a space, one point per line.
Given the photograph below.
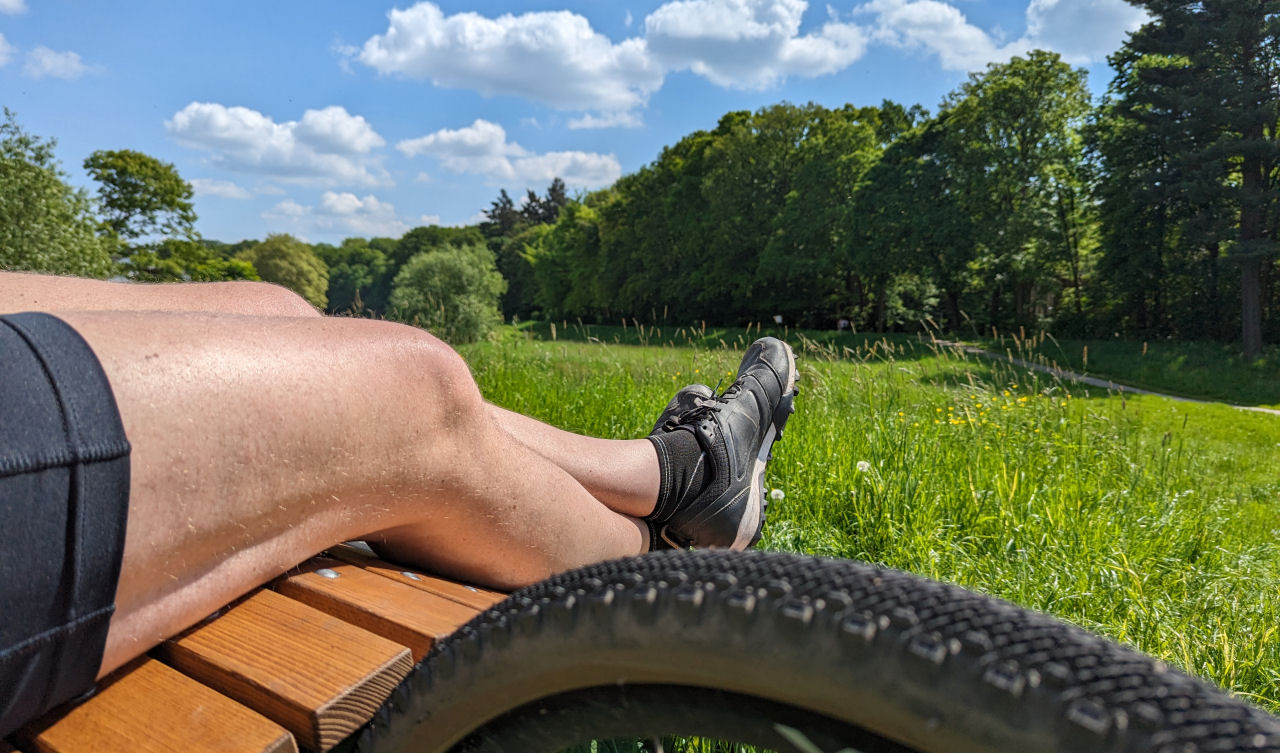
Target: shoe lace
x=704 y=405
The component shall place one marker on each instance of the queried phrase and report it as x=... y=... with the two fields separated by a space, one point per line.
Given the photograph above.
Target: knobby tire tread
x=924 y=664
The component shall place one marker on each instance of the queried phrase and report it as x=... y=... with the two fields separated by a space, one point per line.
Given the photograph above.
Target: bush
x=287 y=261
x=453 y=291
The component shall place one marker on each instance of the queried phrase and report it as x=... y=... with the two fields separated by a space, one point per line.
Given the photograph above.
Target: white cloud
x=558 y=59
x=422 y=177
x=224 y=188
x=551 y=57
x=748 y=44
x=342 y=212
x=13 y=7
x=482 y=149
x=6 y=51
x=429 y=219
x=1082 y=31
x=327 y=147
x=334 y=131
x=43 y=62
x=607 y=120
x=939 y=28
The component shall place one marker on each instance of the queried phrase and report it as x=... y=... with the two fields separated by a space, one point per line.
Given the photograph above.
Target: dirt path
x=1106 y=384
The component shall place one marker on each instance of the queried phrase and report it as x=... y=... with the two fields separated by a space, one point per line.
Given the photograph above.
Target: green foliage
x=1190 y=138
x=430 y=237
x=138 y=195
x=510 y=231
x=453 y=291
x=359 y=276
x=287 y=261
x=45 y=225
x=177 y=260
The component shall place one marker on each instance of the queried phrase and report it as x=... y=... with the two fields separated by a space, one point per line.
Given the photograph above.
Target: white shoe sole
x=750 y=522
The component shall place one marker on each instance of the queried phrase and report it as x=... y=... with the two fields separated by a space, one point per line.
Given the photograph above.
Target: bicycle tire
x=887 y=658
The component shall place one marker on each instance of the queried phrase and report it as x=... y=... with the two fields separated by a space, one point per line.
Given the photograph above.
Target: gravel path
x=1106 y=384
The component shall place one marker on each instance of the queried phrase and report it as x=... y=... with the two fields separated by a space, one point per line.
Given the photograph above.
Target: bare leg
x=623 y=474
x=259 y=441
x=31 y=292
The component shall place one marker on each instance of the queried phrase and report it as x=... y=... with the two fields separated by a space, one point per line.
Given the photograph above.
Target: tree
x=178 y=260
x=359 y=277
x=45 y=225
x=287 y=261
x=1218 y=70
x=1012 y=133
x=138 y=195
x=453 y=291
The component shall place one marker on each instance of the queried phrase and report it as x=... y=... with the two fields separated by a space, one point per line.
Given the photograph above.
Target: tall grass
x=1154 y=522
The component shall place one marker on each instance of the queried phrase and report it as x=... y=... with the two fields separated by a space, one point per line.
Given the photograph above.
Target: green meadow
x=1151 y=521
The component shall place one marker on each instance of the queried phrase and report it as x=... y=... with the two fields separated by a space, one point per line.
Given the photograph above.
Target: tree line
x=1020 y=202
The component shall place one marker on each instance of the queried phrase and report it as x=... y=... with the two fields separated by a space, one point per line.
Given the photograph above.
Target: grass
x=1151 y=521
x=1208 y=371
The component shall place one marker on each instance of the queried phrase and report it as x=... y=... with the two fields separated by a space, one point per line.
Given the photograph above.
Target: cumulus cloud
x=13 y=7
x=325 y=147
x=552 y=57
x=342 y=212
x=1082 y=31
x=558 y=59
x=6 y=51
x=223 y=188
x=43 y=62
x=482 y=149
x=334 y=131
x=748 y=43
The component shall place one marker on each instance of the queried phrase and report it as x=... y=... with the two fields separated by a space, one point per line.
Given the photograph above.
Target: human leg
x=21 y=291
x=257 y=442
x=623 y=474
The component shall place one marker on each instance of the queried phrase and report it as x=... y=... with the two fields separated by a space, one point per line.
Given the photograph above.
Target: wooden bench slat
x=316 y=675
x=472 y=596
x=155 y=708
x=393 y=610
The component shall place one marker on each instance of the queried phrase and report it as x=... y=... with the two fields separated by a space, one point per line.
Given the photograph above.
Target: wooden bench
x=297 y=665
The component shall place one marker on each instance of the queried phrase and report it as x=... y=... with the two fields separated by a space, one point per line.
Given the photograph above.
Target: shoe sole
x=753 y=518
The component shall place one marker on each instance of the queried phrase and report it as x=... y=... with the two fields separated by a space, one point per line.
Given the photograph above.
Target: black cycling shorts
x=64 y=499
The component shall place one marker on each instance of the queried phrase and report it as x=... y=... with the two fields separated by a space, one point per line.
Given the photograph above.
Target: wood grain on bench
x=318 y=676
x=406 y=615
x=472 y=596
x=300 y=664
x=156 y=708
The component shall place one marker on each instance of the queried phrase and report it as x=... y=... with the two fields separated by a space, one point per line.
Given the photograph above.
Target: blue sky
x=328 y=119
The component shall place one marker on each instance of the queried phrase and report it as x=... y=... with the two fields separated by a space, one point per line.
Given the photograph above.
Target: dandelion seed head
x=777 y=494
x=864 y=466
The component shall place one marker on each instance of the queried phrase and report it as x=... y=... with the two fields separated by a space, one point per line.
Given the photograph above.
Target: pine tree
x=1211 y=75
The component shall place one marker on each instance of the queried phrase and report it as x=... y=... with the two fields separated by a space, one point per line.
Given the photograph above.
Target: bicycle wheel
x=794 y=653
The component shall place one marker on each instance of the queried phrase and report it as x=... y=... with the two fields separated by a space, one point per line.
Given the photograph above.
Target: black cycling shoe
x=736 y=431
x=684 y=402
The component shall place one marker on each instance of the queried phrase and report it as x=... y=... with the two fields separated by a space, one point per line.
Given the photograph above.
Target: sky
x=330 y=118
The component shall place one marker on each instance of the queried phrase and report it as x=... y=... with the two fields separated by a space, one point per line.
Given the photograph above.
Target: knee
x=436 y=378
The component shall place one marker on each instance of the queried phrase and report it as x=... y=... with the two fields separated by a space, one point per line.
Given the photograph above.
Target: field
x=1151 y=521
